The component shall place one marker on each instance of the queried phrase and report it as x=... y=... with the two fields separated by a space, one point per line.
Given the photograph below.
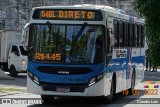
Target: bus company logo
x=63 y=72
x=151 y=84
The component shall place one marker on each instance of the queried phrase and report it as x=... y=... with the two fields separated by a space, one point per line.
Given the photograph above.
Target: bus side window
x=140 y=45
x=116 y=33
x=121 y=35
x=126 y=35
x=135 y=36
x=131 y=35
x=138 y=36
x=142 y=36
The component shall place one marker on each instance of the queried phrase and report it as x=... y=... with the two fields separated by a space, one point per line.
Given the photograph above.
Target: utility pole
x=17 y=21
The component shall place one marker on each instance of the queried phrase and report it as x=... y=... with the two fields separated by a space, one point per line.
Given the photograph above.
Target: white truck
x=13 y=56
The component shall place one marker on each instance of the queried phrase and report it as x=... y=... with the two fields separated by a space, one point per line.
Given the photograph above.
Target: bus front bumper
x=98 y=89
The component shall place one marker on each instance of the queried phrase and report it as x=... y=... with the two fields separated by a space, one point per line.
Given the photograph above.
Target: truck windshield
x=23 y=51
x=75 y=44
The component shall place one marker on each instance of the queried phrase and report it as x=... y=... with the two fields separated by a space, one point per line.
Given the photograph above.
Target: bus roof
x=111 y=10
x=85 y=6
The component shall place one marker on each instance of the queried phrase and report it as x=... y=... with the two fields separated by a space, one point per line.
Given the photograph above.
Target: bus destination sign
x=55 y=14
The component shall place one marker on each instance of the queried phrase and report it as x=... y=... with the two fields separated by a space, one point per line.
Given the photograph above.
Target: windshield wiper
x=79 y=33
x=50 y=28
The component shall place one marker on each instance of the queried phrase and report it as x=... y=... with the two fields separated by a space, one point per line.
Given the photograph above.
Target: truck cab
x=17 y=59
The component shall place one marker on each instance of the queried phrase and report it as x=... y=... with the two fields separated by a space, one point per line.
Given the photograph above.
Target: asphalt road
x=120 y=101
x=140 y=100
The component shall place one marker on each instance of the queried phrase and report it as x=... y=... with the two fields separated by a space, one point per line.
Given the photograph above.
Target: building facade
x=14 y=14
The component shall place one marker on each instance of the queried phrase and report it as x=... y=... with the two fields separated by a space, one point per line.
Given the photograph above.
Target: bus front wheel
x=112 y=91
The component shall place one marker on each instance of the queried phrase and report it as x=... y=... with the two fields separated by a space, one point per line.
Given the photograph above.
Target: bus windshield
x=74 y=44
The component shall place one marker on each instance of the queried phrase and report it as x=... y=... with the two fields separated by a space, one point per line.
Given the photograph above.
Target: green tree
x=150 y=10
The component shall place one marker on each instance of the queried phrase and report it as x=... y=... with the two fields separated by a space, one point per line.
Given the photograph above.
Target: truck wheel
x=13 y=71
x=47 y=99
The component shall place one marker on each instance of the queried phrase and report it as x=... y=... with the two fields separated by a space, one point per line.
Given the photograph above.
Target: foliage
x=150 y=9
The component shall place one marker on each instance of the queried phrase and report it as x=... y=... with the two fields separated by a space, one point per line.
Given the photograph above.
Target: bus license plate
x=63 y=89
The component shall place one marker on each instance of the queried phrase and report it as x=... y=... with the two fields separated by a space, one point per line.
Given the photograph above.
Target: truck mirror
x=25 y=32
x=24 y=36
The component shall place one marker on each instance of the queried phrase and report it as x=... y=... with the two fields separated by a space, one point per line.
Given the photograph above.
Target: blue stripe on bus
x=56 y=78
x=120 y=64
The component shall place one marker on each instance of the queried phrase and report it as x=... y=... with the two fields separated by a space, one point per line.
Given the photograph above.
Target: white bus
x=84 y=50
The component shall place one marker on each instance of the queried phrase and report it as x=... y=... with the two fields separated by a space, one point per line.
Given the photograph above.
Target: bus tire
x=47 y=99
x=13 y=71
x=132 y=84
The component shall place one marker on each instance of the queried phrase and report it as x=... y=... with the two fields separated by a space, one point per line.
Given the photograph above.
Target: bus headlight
x=33 y=77
x=100 y=76
x=92 y=81
x=36 y=80
x=23 y=62
x=30 y=74
x=96 y=79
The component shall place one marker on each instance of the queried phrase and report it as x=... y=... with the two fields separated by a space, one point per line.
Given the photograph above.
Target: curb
x=7 y=78
x=150 y=73
x=4 y=76
x=11 y=92
x=153 y=78
x=2 y=95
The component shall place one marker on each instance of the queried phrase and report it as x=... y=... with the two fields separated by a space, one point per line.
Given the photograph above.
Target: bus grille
x=64 y=70
x=71 y=87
